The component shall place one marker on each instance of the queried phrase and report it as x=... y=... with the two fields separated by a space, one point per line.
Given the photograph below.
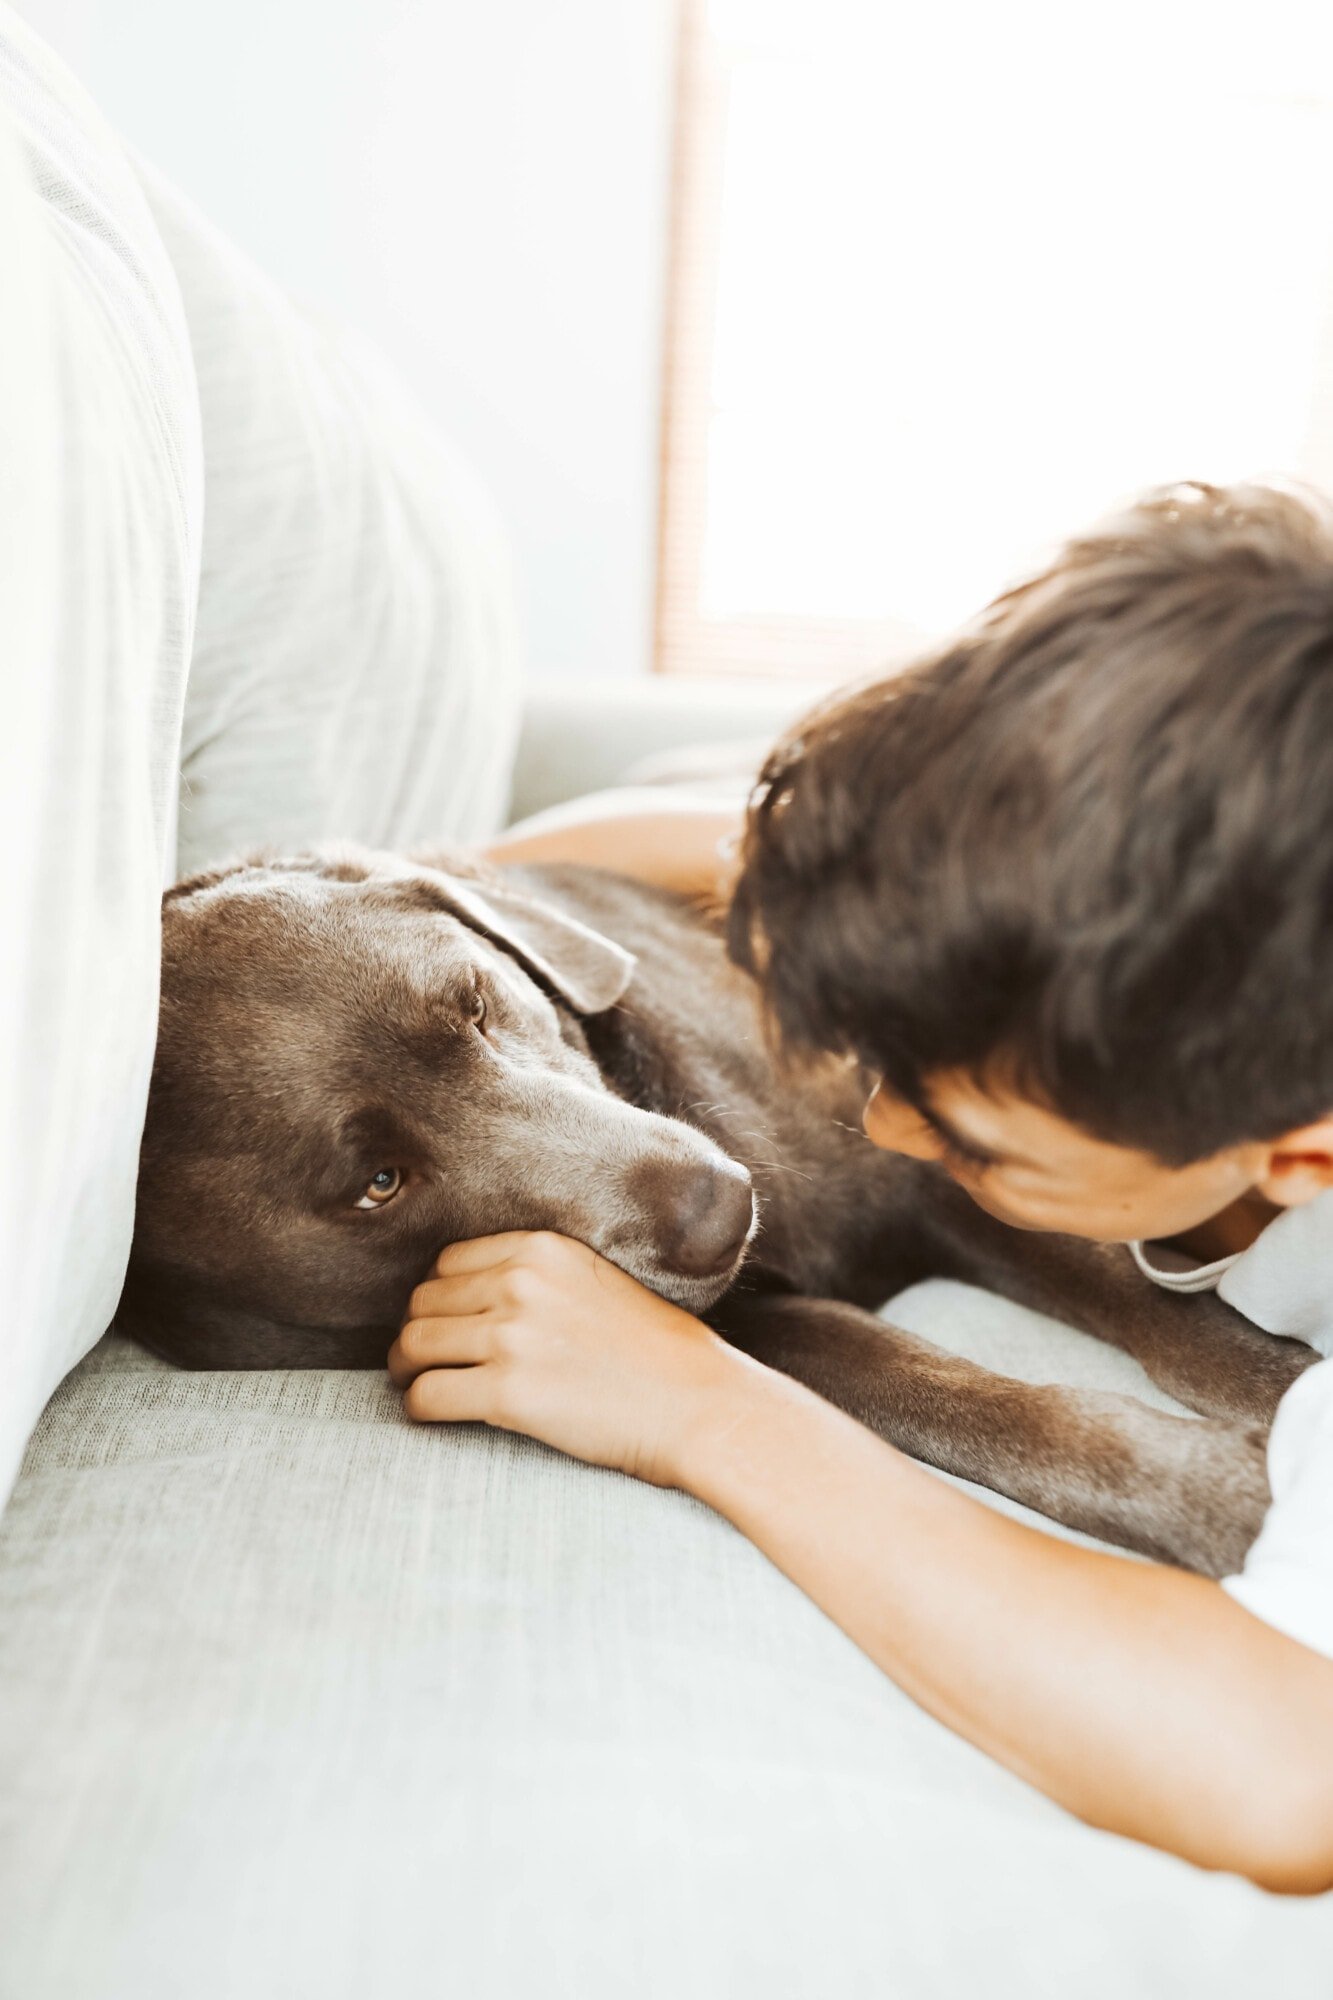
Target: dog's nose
x=706 y=1216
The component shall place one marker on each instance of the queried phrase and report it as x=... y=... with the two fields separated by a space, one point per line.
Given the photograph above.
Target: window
x=949 y=281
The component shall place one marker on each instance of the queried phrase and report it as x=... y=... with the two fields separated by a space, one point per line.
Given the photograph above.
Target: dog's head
x=360 y=1060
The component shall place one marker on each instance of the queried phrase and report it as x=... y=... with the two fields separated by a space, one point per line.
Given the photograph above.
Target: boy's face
x=1033 y=1169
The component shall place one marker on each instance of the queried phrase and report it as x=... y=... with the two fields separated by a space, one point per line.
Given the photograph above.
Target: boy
x=1067 y=890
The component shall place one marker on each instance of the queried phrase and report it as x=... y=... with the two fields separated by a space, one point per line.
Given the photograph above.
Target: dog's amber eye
x=477 y=1010
x=383 y=1187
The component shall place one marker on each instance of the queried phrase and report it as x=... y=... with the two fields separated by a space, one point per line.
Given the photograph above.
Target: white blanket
x=350 y=643
x=100 y=480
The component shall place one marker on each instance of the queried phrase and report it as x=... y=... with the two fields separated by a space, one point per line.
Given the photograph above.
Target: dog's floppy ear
x=585 y=968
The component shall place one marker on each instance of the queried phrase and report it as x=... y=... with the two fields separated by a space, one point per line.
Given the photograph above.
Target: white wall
x=482 y=187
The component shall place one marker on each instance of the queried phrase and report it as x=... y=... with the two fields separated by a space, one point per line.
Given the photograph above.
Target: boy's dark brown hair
x=1087 y=848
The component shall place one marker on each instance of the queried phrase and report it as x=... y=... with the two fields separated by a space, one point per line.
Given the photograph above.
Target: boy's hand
x=537 y=1333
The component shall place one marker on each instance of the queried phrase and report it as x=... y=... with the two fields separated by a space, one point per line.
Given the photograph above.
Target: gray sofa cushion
x=300 y=1700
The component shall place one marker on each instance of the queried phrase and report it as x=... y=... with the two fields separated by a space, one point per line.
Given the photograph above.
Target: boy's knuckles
x=418 y=1306
x=523 y=1287
x=414 y=1342
x=512 y=1337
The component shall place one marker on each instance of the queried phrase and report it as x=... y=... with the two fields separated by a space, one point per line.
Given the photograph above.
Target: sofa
x=298 y=1699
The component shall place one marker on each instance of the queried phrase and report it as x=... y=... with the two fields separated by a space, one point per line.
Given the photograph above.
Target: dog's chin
x=693 y=1295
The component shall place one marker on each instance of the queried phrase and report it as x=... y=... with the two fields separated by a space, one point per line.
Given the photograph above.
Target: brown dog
x=363 y=1058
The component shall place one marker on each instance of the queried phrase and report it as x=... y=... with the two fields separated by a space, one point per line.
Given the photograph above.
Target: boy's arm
x=1142 y=1698
x=683 y=845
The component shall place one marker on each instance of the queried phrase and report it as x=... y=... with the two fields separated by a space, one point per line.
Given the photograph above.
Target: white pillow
x=100 y=486
x=355 y=664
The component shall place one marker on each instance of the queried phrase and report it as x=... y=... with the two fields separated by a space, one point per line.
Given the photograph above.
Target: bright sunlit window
x=948 y=281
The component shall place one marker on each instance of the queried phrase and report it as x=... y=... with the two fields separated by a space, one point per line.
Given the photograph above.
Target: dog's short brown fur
x=564 y=1049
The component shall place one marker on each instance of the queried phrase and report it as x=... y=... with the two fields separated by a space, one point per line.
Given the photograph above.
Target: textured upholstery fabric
x=355 y=662
x=99 y=529
x=302 y=1701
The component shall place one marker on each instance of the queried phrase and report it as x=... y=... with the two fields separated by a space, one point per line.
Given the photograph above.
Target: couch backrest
x=355 y=664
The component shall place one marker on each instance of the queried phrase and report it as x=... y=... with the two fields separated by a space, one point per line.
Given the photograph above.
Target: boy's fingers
x=479 y=1253
x=458 y=1292
x=438 y=1343
x=451 y=1396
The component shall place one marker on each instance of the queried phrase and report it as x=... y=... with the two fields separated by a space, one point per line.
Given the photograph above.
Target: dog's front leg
x=1195 y=1346
x=1187 y=1492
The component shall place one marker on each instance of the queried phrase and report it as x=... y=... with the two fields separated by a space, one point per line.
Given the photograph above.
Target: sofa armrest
x=586 y=735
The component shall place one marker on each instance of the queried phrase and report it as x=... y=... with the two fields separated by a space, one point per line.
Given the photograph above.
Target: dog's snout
x=705 y=1215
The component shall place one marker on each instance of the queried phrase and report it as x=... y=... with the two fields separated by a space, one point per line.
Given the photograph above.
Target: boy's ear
x=1300 y=1165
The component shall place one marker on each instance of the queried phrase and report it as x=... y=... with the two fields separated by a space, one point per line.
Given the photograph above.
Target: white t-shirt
x=1284 y=1283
